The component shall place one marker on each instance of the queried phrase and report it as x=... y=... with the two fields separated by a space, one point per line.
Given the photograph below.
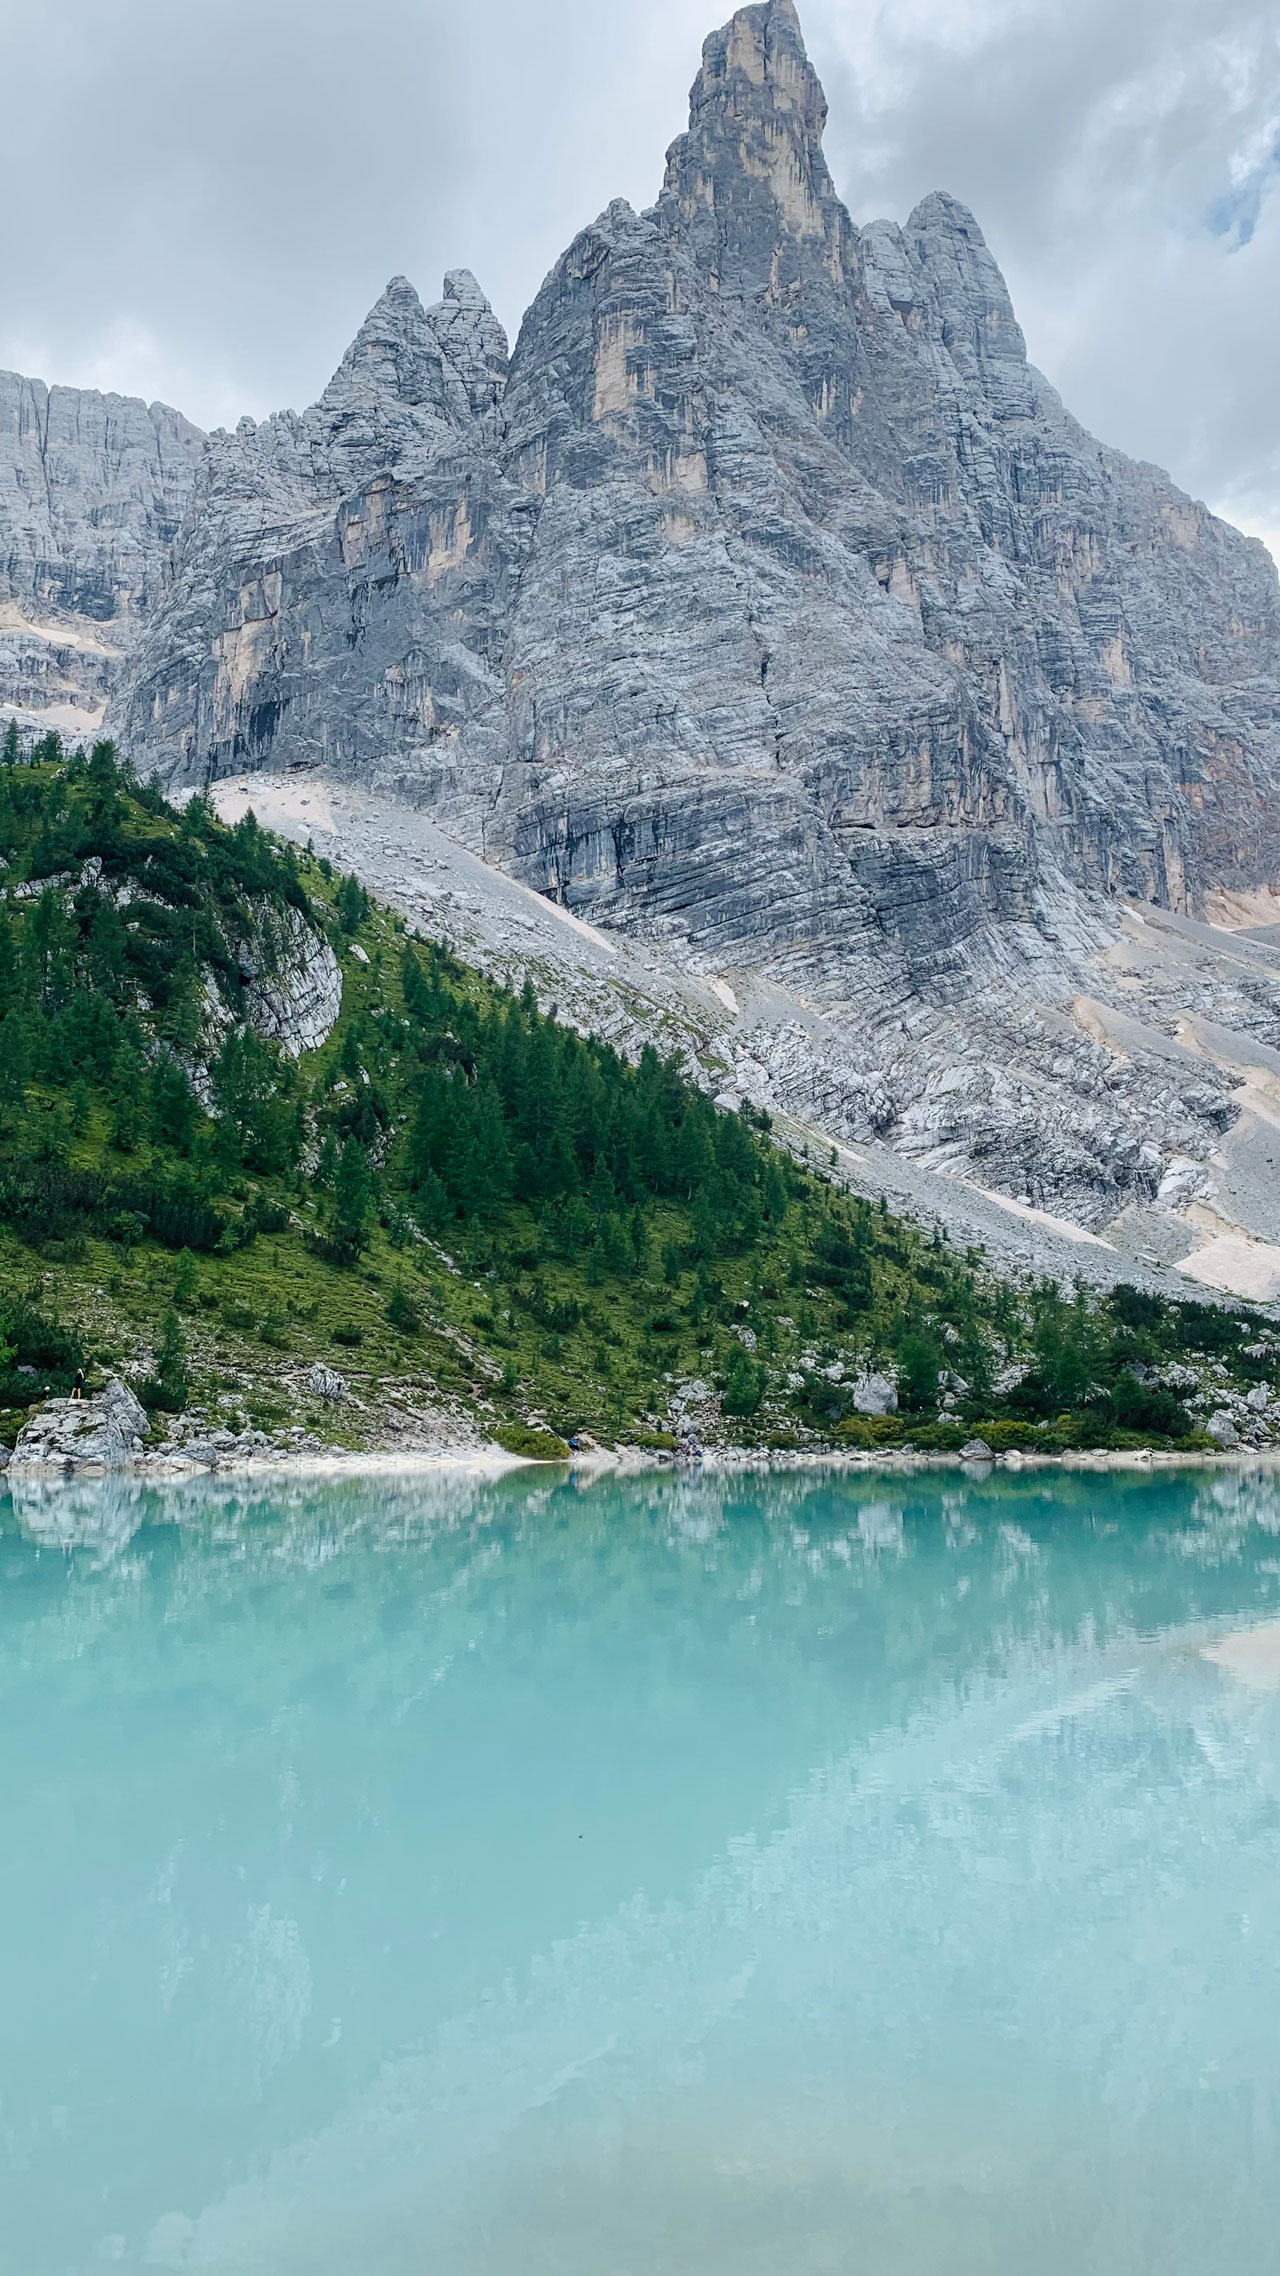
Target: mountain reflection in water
x=731 y=1875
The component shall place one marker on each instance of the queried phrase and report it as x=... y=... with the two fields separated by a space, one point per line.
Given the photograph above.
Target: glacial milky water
x=750 y=1877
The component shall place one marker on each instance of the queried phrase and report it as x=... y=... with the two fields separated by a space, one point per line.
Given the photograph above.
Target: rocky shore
x=108 y=1433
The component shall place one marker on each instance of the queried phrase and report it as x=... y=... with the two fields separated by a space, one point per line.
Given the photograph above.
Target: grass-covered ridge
x=454 y=1199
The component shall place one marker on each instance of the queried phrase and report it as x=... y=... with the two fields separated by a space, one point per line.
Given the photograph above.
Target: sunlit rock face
x=92 y=491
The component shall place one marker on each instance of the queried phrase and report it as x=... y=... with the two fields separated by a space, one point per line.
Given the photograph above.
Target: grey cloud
x=205 y=200
x=1121 y=159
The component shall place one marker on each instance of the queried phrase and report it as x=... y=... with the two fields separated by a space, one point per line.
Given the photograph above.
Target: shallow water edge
x=493 y=1461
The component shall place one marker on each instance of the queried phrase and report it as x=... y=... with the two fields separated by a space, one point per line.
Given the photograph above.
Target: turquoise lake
x=725 y=1877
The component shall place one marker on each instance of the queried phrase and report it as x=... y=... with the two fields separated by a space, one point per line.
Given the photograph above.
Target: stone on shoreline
x=326 y=1383
x=104 y=1431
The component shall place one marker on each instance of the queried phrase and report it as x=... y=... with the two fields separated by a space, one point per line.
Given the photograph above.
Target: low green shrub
x=868 y=1431
x=270 y=1216
x=534 y=1445
x=1005 y=1437
x=404 y=1312
x=940 y=1437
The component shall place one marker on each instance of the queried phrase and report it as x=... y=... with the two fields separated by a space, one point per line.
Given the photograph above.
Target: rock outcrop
x=292 y=982
x=100 y=1433
x=92 y=491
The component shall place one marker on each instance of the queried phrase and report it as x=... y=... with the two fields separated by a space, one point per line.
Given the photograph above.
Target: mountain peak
x=980 y=330
x=747 y=188
x=472 y=338
x=450 y=359
x=762 y=48
x=388 y=350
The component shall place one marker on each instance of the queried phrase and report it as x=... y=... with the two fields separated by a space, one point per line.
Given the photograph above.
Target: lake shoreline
x=490 y=1461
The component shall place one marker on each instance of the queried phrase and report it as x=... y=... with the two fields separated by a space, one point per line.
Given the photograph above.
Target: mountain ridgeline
x=766 y=589
x=765 y=603
x=235 y=1089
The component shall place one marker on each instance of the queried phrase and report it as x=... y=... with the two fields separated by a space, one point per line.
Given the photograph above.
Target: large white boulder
x=875 y=1394
x=103 y=1432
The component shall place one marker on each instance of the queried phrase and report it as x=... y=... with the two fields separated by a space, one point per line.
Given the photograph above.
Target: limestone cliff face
x=92 y=491
x=769 y=599
x=341 y=582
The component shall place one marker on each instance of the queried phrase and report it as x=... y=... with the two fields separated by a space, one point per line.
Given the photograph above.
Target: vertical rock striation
x=343 y=577
x=93 y=489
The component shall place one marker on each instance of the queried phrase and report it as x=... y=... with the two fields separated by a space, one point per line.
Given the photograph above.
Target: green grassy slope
x=454 y=1200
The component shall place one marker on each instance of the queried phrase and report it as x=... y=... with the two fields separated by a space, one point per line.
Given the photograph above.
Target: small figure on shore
x=77 y=1388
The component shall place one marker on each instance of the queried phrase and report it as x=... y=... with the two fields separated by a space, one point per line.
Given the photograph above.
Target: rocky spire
x=747 y=189
x=472 y=338
x=979 y=329
x=413 y=380
x=395 y=349
x=451 y=358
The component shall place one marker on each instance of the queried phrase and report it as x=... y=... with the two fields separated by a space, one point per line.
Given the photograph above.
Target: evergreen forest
x=454 y=1197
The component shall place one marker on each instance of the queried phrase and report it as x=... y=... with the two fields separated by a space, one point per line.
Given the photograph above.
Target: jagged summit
x=392 y=349
x=979 y=326
x=761 y=48
x=472 y=338
x=747 y=188
x=451 y=358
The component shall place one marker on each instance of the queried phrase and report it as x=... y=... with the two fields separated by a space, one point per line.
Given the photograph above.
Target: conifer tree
x=350 y=1214
x=170 y=1385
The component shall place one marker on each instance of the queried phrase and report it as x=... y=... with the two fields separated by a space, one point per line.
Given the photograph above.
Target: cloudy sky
x=202 y=201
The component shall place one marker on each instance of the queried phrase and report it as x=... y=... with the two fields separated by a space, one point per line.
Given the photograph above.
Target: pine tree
x=170 y=1384
x=350 y=1214
x=186 y=1281
x=8 y=966
x=352 y=905
x=744 y=1384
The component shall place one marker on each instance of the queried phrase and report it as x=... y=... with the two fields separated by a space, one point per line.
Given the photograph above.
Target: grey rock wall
x=293 y=983
x=769 y=599
x=93 y=489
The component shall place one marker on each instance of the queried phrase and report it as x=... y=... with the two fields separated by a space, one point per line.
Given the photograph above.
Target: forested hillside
x=438 y=1190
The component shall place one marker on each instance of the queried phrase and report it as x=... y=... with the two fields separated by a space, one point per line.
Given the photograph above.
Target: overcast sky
x=203 y=200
